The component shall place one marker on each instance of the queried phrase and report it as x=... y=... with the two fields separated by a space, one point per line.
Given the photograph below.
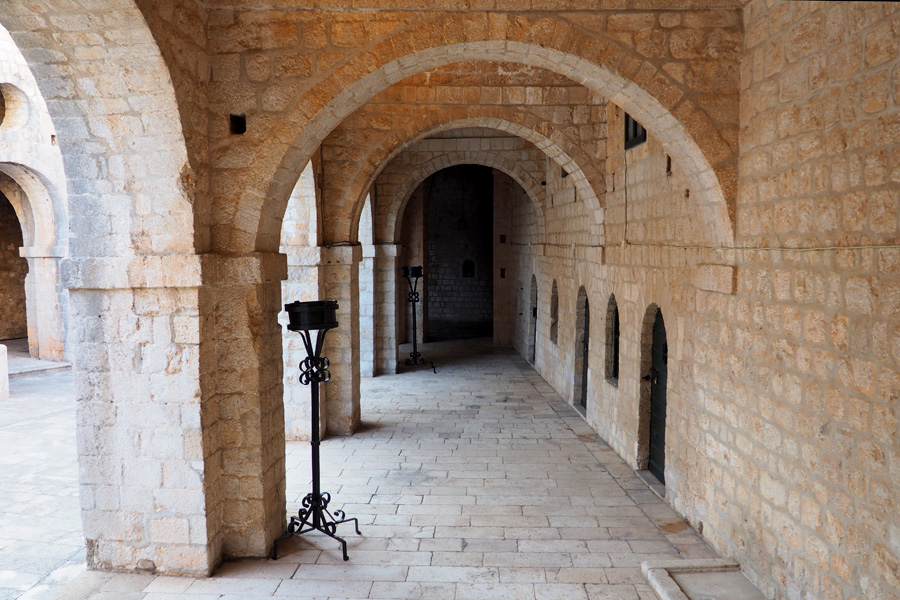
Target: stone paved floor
x=40 y=524
x=477 y=483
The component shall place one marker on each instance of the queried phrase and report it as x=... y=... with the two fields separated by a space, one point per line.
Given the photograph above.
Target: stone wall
x=782 y=425
x=459 y=238
x=809 y=344
x=774 y=264
x=13 y=268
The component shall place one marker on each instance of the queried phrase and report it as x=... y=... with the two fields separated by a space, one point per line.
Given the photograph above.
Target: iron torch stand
x=315 y=514
x=412 y=275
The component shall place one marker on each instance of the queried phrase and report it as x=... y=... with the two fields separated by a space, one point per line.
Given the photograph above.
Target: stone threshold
x=699 y=579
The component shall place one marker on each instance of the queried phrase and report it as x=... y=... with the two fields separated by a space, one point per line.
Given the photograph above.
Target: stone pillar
x=142 y=462
x=340 y=281
x=46 y=302
x=243 y=399
x=386 y=306
x=367 y=311
x=502 y=277
x=304 y=277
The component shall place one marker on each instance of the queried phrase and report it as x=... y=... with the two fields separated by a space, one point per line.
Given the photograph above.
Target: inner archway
x=459 y=253
x=13 y=270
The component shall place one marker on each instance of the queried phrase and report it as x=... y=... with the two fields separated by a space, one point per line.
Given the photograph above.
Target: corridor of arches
x=183 y=169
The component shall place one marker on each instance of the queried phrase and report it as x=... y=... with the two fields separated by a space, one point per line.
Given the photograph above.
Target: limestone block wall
x=806 y=350
x=782 y=424
x=652 y=270
x=13 y=268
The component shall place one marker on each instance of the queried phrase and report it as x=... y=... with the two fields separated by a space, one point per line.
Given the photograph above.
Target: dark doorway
x=532 y=322
x=459 y=224
x=658 y=374
x=14 y=268
x=582 y=349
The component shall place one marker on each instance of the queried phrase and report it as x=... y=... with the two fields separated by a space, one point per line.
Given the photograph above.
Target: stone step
x=37 y=368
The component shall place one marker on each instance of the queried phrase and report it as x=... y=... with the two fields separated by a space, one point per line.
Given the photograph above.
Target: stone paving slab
x=40 y=522
x=478 y=482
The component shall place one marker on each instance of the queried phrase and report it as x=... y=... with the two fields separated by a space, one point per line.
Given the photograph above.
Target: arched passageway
x=181 y=130
x=457 y=250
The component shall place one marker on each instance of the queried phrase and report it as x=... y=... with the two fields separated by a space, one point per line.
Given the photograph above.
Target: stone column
x=386 y=306
x=367 y=311
x=142 y=463
x=243 y=399
x=302 y=284
x=340 y=281
x=46 y=302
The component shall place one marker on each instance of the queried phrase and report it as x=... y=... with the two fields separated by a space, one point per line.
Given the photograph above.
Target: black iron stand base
x=315 y=516
x=416 y=360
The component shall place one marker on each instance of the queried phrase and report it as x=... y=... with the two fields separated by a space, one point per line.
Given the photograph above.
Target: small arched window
x=612 y=341
x=554 y=314
x=468 y=268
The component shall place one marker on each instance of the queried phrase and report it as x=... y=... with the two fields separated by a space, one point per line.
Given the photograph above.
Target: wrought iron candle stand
x=412 y=275
x=304 y=317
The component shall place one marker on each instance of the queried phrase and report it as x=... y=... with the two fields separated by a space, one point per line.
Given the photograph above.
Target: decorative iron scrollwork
x=314 y=370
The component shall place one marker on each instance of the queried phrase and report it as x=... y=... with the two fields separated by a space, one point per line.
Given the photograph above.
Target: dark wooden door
x=584 y=358
x=533 y=345
x=659 y=357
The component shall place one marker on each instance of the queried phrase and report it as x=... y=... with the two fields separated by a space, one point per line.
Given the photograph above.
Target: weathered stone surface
x=156 y=179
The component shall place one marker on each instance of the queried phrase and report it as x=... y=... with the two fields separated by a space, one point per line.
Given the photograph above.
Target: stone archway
x=46 y=302
x=390 y=207
x=133 y=282
x=683 y=134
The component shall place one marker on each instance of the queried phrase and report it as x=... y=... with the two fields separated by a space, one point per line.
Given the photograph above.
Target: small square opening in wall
x=635 y=134
x=237 y=124
x=502 y=239
x=468 y=268
x=502 y=273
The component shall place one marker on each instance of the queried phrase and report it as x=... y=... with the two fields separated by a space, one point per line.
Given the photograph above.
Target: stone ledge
x=43 y=252
x=103 y=273
x=661 y=577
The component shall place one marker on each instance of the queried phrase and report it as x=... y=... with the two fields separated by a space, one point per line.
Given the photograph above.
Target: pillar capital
x=111 y=273
x=341 y=255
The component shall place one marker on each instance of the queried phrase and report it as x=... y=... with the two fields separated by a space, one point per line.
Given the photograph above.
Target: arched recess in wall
x=581 y=371
x=611 y=360
x=637 y=101
x=46 y=303
x=554 y=313
x=572 y=164
x=651 y=447
x=531 y=339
